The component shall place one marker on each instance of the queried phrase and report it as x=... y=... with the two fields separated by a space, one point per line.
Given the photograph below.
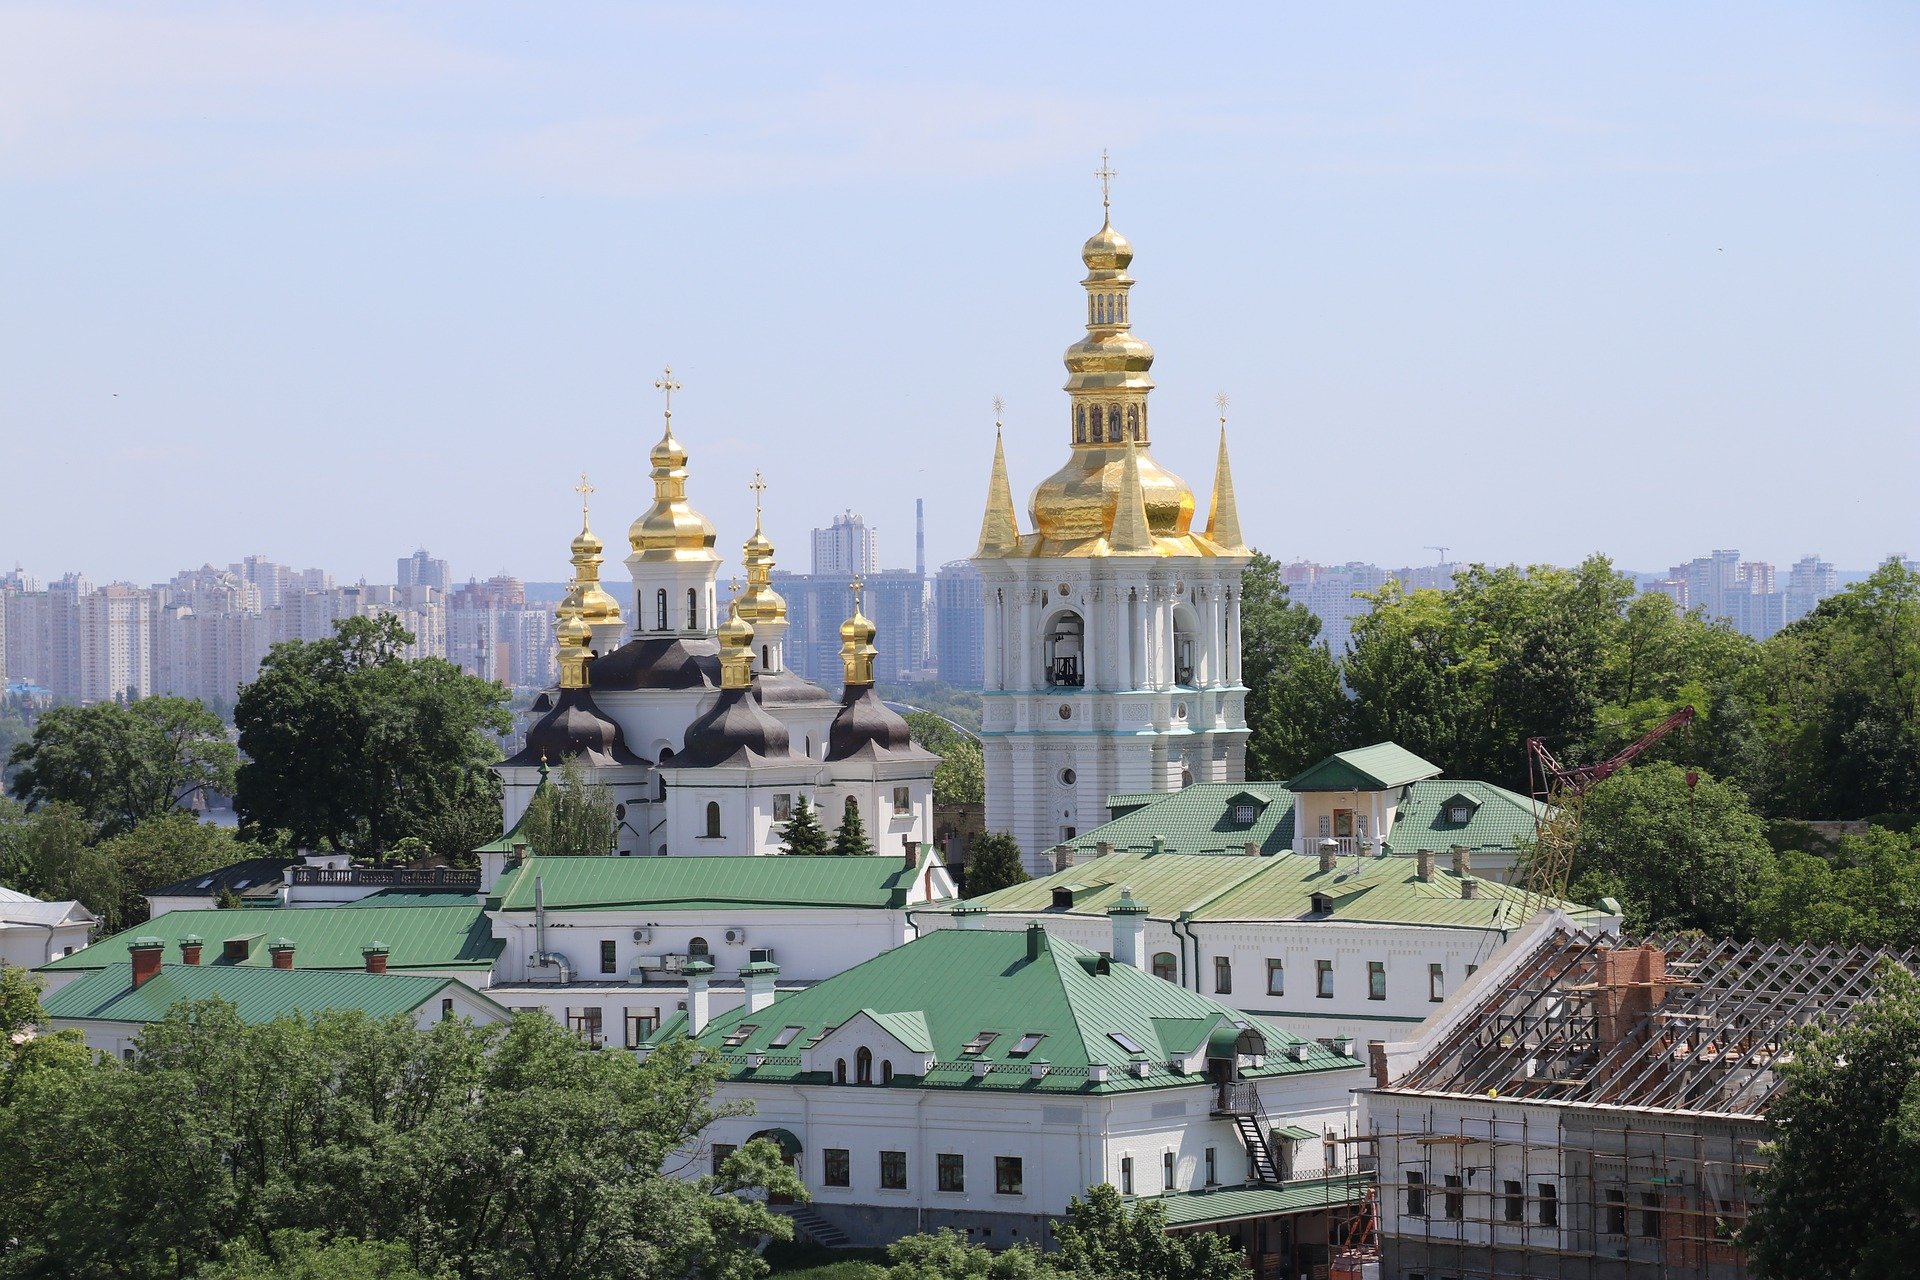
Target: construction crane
x=1434 y=546
x=1559 y=790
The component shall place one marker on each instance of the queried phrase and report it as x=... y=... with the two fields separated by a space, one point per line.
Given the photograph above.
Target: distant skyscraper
x=1810 y=581
x=844 y=548
x=422 y=570
x=960 y=625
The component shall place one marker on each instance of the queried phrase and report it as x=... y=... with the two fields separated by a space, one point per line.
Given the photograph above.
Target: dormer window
x=738 y=1036
x=1458 y=809
x=980 y=1043
x=1062 y=899
x=1244 y=814
x=1026 y=1044
x=1322 y=904
x=1459 y=814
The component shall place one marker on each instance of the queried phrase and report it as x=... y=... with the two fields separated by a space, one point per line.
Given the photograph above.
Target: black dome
x=575 y=727
x=666 y=662
x=868 y=728
x=785 y=689
x=735 y=724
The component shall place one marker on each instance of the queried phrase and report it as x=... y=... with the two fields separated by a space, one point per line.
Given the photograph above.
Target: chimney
x=375 y=954
x=1425 y=860
x=1103 y=848
x=1159 y=845
x=145 y=953
x=699 y=1002
x=1377 y=1060
x=910 y=852
x=190 y=949
x=1251 y=849
x=281 y=950
x=969 y=915
x=1036 y=940
x=758 y=979
x=1062 y=856
x=1328 y=852
x=1632 y=981
x=1462 y=861
x=1469 y=887
x=1129 y=929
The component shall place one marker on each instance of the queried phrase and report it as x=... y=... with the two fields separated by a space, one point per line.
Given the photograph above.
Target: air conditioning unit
x=643 y=935
x=649 y=962
x=736 y=937
x=673 y=963
x=760 y=955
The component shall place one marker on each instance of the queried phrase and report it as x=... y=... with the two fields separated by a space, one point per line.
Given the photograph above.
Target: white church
x=1112 y=627
x=705 y=740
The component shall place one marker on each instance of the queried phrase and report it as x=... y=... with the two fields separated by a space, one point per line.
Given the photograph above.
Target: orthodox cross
x=858 y=584
x=583 y=489
x=1106 y=175
x=758 y=486
x=666 y=384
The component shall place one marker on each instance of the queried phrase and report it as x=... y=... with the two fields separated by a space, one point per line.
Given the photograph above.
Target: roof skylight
x=738 y=1036
x=785 y=1037
x=1027 y=1044
x=980 y=1043
x=1125 y=1041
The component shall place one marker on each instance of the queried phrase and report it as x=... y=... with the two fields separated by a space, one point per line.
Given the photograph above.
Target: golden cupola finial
x=597 y=608
x=573 y=636
x=761 y=603
x=999 y=527
x=856 y=642
x=736 y=646
x=671 y=529
x=1223 y=513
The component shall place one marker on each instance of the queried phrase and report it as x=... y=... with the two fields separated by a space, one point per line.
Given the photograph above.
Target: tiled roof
x=259 y=995
x=960 y=983
x=1199 y=819
x=687 y=883
x=324 y=937
x=1380 y=767
x=1233 y=1204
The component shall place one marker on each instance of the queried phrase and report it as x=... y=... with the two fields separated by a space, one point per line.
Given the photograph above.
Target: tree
x=804 y=836
x=27 y=1045
x=961 y=776
x=50 y=853
x=571 y=817
x=1296 y=709
x=122 y=764
x=1675 y=856
x=949 y=1255
x=850 y=841
x=353 y=746
x=1840 y=1192
x=1866 y=892
x=307 y=1255
x=1102 y=1237
x=993 y=862
x=163 y=850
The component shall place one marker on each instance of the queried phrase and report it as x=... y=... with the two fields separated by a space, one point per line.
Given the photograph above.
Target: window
x=1222 y=975
x=782 y=806
x=1068 y=777
x=1459 y=813
x=1080 y=424
x=641 y=1023
x=1323 y=979
x=1326 y=827
x=1650 y=1213
x=1376 y=980
x=1027 y=1044
x=1212 y=1167
x=1549 y=1204
x=980 y=1042
x=1126 y=1175
x=785 y=1037
x=693 y=610
x=1166 y=1170
x=886 y=1071
x=1125 y=1041
x=1416 y=1194
x=1616 y=1224
x=1164 y=965
x=1007 y=1178
x=1454 y=1202
x=902 y=801
x=660 y=607
x=1342 y=824
x=893 y=1171
x=721 y=1150
x=585 y=1023
x=446 y=1009
x=1436 y=982
x=741 y=1033
x=713 y=820
x=839 y=1070
x=766 y=662
x=863 y=1065
x=697 y=948
x=608 y=963
x=952 y=1171
x=1515 y=1209
x=837 y=1167
x=1243 y=815
x=1276 y=977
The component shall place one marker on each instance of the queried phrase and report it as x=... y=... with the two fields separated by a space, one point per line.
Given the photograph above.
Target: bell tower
x=673 y=563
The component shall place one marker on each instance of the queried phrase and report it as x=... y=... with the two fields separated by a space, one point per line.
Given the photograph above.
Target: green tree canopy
x=1840 y=1193
x=961 y=775
x=162 y=850
x=993 y=862
x=121 y=764
x=850 y=840
x=1866 y=892
x=307 y=1255
x=51 y=854
x=27 y=1044
x=571 y=816
x=350 y=745
x=804 y=836
x=1296 y=710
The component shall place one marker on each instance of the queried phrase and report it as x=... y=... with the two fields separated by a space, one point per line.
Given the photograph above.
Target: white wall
x=809 y=944
x=28 y=946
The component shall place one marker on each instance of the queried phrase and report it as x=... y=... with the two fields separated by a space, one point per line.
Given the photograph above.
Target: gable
x=1380 y=767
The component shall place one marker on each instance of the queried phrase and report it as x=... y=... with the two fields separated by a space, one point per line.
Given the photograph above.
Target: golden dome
x=671 y=529
x=734 y=633
x=760 y=602
x=572 y=629
x=1106 y=250
x=856 y=643
x=593 y=605
x=858 y=629
x=1076 y=503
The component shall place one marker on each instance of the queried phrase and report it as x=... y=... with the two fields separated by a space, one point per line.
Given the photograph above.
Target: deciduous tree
x=571 y=816
x=1296 y=710
x=122 y=764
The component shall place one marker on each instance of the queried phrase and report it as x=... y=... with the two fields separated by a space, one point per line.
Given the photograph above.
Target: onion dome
x=1077 y=503
x=660 y=662
x=736 y=649
x=1107 y=250
x=597 y=608
x=856 y=643
x=760 y=603
x=735 y=730
x=573 y=636
x=865 y=728
x=671 y=529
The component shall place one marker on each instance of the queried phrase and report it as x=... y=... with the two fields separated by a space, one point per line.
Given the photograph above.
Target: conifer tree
x=993 y=862
x=851 y=840
x=805 y=837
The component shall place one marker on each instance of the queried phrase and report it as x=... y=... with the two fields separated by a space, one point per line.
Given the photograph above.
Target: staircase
x=1256 y=1147
x=808 y=1222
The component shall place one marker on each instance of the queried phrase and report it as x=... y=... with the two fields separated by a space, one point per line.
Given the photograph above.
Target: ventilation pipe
x=190 y=949
x=282 y=952
x=145 y=953
x=758 y=979
x=543 y=958
x=699 y=1001
x=1129 y=929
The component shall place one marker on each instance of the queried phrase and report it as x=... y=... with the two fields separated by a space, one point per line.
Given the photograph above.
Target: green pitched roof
x=324 y=937
x=1380 y=767
x=952 y=985
x=688 y=883
x=1233 y=1204
x=1213 y=887
x=260 y=995
x=1200 y=819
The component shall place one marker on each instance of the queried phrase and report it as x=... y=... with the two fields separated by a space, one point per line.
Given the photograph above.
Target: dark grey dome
x=867 y=729
x=734 y=730
x=666 y=662
x=574 y=729
x=785 y=689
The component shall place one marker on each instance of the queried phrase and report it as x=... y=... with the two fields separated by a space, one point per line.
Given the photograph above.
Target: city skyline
x=1540 y=250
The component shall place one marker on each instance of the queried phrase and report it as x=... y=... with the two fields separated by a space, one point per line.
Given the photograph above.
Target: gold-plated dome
x=573 y=635
x=596 y=607
x=671 y=529
x=1107 y=250
x=856 y=643
x=1076 y=503
x=760 y=603
x=736 y=647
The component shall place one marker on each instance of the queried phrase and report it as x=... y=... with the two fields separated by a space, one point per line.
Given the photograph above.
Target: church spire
x=1131 y=535
x=761 y=603
x=999 y=527
x=1223 y=513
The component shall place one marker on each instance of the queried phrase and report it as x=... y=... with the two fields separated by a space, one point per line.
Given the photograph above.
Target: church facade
x=1112 y=625
x=707 y=743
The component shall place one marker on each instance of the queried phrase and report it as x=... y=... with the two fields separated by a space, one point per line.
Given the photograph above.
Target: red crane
x=1558 y=790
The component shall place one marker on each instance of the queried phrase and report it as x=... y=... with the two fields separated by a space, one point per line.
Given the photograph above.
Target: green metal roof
x=1214 y=887
x=1233 y=1204
x=1380 y=767
x=324 y=937
x=1200 y=819
x=955 y=984
x=260 y=995
x=409 y=896
x=689 y=883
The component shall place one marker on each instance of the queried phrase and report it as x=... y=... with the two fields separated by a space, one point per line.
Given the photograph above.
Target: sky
x=329 y=282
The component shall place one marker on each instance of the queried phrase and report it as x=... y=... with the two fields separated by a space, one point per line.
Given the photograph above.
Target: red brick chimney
x=282 y=952
x=145 y=953
x=376 y=957
x=1632 y=983
x=190 y=950
x=1424 y=862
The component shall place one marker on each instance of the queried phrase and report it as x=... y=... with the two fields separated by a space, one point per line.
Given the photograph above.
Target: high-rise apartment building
x=1809 y=581
x=845 y=547
x=422 y=570
x=959 y=625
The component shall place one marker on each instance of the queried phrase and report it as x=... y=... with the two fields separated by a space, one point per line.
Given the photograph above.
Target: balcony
x=1343 y=846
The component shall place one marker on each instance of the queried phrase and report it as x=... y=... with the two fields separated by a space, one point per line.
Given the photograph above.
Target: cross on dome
x=583 y=489
x=665 y=383
x=1106 y=175
x=759 y=487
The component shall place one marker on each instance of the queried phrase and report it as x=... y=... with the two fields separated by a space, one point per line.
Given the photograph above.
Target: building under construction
x=1593 y=1108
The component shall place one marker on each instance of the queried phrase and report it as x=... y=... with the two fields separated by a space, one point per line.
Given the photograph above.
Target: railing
x=436 y=877
x=1343 y=846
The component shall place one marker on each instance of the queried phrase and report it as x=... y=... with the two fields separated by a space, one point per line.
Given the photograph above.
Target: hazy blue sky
x=330 y=281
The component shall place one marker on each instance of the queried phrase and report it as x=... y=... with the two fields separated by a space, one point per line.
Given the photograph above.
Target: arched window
x=766 y=662
x=886 y=1071
x=839 y=1070
x=809 y=744
x=863 y=1065
x=1133 y=421
x=660 y=779
x=697 y=948
x=1080 y=424
x=1063 y=651
x=713 y=819
x=1186 y=777
x=660 y=606
x=1113 y=424
x=693 y=610
x=1163 y=966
